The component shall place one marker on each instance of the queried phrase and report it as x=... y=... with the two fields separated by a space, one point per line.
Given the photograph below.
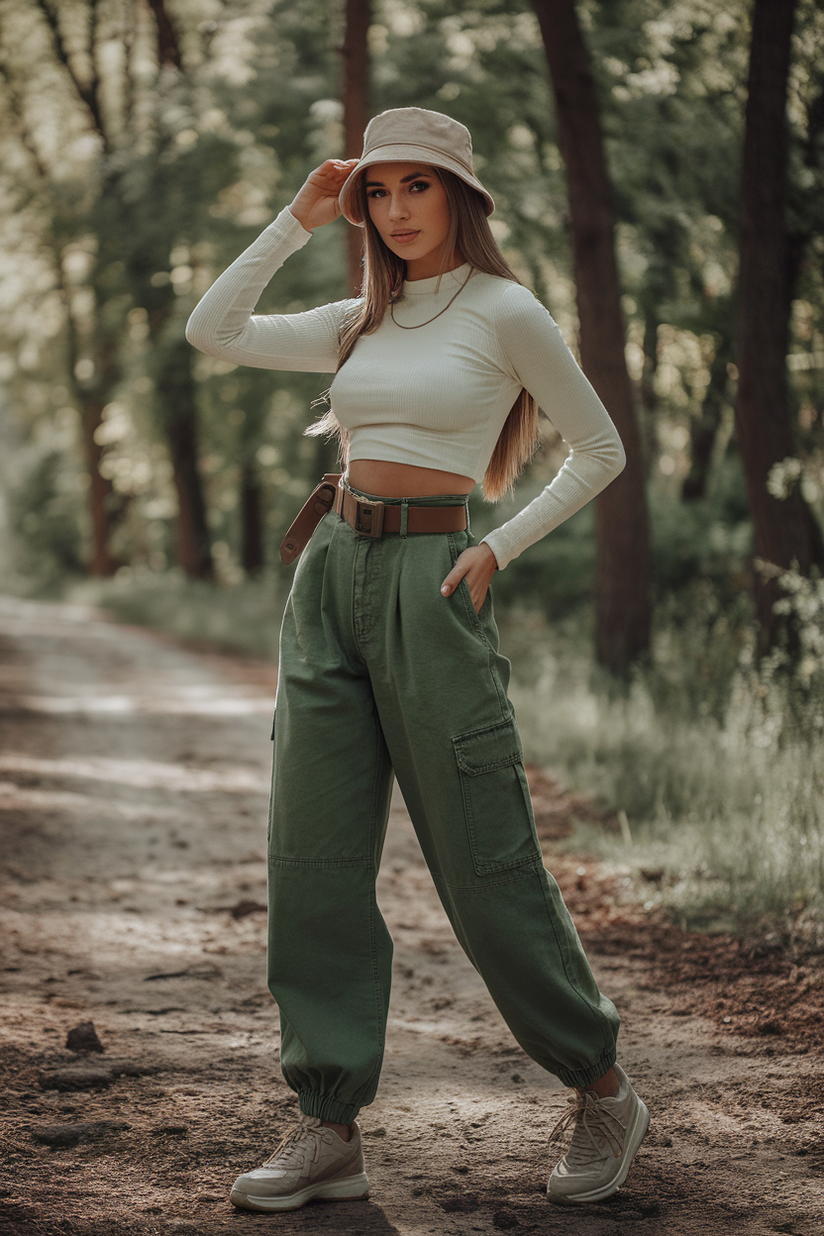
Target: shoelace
x=288 y=1152
x=595 y=1127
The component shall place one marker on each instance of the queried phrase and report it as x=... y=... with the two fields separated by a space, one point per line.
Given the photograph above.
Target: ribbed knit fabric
x=437 y=396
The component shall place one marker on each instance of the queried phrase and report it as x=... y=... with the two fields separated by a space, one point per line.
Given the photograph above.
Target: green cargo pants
x=380 y=672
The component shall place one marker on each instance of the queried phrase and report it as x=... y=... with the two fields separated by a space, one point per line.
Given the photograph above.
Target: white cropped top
x=437 y=396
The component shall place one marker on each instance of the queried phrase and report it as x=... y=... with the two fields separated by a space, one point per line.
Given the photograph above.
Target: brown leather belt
x=374 y=518
x=368 y=518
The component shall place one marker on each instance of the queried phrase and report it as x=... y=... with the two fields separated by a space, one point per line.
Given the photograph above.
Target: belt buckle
x=368 y=517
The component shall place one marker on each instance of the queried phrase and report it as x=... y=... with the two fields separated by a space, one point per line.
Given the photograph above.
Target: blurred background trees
x=145 y=143
x=622 y=582
x=785 y=531
x=658 y=169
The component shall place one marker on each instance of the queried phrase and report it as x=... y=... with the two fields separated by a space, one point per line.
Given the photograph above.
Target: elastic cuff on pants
x=580 y=1077
x=325 y=1108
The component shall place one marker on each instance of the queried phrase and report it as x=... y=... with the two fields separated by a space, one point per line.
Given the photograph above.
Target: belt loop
x=468 y=521
x=404 y=517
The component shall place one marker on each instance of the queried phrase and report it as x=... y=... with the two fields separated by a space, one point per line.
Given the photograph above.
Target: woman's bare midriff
x=395 y=480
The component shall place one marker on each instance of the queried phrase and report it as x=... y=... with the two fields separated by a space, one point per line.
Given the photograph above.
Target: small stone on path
x=83 y=1038
x=244 y=908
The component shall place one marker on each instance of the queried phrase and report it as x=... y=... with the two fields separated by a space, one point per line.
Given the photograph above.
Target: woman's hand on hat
x=476 y=565
x=317 y=202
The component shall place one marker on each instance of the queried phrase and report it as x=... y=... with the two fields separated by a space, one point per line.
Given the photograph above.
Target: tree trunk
x=177 y=397
x=91 y=399
x=90 y=402
x=168 y=45
x=704 y=429
x=623 y=570
x=101 y=492
x=785 y=531
x=648 y=394
x=355 y=90
x=251 y=522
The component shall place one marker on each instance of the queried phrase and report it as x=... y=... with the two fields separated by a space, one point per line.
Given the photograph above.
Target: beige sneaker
x=311 y=1161
x=606 y=1135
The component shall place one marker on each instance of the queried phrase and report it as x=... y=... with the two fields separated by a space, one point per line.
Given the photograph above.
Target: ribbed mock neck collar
x=450 y=281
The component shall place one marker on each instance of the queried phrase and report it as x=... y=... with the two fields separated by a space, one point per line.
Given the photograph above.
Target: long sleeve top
x=436 y=396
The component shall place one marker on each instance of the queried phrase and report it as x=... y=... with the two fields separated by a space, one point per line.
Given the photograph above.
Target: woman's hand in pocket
x=476 y=565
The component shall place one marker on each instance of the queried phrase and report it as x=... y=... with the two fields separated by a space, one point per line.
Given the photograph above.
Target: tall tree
x=91 y=391
x=785 y=531
x=623 y=568
x=118 y=232
x=705 y=426
x=175 y=382
x=355 y=91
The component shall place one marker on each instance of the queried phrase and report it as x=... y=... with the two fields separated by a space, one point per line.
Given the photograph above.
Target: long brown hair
x=383 y=278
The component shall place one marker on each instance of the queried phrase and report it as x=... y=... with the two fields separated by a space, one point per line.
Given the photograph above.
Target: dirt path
x=133 y=779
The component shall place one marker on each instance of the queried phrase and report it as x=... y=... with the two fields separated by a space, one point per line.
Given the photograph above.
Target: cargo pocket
x=496 y=799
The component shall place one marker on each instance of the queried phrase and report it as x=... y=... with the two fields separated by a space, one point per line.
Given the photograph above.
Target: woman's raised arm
x=224 y=324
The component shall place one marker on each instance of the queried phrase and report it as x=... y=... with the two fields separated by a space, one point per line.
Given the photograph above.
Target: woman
x=388 y=656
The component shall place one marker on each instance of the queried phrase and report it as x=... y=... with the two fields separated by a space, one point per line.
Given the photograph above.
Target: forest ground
x=133 y=781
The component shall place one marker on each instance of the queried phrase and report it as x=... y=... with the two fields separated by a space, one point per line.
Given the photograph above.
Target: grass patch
x=242 y=618
x=722 y=784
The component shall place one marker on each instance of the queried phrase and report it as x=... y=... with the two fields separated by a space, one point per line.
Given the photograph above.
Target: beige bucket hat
x=409 y=135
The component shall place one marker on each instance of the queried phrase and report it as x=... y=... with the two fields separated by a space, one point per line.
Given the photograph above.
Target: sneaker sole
x=349 y=1189
x=634 y=1138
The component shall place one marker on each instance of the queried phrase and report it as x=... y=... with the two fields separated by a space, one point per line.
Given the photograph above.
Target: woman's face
x=409 y=208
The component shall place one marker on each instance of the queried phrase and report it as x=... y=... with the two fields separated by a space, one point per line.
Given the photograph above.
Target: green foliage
x=44 y=504
x=715 y=764
x=244 y=618
x=800 y=672
x=707 y=540
x=197 y=161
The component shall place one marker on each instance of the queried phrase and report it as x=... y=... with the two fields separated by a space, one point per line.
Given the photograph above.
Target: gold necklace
x=437 y=315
